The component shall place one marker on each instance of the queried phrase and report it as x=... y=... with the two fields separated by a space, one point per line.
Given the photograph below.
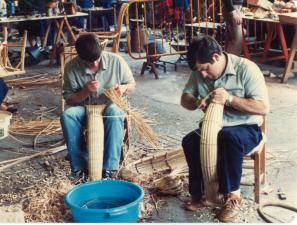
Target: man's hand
x=202 y=104
x=219 y=96
x=236 y=17
x=92 y=86
x=120 y=89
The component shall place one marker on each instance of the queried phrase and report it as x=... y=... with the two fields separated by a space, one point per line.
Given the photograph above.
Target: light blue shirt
x=241 y=78
x=114 y=70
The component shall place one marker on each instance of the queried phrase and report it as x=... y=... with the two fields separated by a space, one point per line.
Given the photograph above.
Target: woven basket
x=95 y=140
x=212 y=124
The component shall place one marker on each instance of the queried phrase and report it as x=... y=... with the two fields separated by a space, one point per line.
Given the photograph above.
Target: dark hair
x=88 y=47
x=201 y=50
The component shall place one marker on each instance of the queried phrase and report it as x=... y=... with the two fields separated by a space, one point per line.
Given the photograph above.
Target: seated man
x=86 y=77
x=239 y=85
x=3 y=93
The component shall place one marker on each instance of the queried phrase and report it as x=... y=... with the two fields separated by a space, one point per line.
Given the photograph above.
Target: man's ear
x=215 y=57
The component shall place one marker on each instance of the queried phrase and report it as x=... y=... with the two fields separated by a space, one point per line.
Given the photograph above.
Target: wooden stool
x=258 y=155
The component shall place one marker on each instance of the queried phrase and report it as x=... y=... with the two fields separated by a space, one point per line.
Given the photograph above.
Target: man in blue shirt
x=85 y=79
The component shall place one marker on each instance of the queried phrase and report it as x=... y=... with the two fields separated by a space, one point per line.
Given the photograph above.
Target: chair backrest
x=6 y=68
x=116 y=34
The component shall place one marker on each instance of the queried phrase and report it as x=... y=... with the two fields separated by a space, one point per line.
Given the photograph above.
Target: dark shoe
x=231 y=208
x=11 y=109
x=109 y=174
x=80 y=176
x=194 y=205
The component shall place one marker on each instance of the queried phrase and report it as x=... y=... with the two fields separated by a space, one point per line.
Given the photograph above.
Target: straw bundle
x=46 y=204
x=95 y=140
x=35 y=127
x=40 y=79
x=141 y=125
x=212 y=124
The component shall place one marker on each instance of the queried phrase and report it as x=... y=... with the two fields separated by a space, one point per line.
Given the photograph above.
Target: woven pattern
x=95 y=140
x=170 y=160
x=212 y=124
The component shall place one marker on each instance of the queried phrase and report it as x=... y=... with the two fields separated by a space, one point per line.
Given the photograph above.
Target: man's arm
x=246 y=105
x=81 y=95
x=188 y=101
x=125 y=88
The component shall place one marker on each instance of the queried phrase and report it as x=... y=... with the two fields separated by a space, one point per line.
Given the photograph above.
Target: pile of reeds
x=35 y=128
x=46 y=204
x=138 y=122
x=40 y=79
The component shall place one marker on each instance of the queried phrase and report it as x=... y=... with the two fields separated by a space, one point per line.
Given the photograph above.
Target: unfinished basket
x=95 y=140
x=170 y=160
x=212 y=124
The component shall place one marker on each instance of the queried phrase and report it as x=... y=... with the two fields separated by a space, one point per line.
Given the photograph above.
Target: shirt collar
x=229 y=70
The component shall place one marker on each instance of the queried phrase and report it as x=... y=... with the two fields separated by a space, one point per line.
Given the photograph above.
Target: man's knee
x=113 y=110
x=73 y=113
x=191 y=140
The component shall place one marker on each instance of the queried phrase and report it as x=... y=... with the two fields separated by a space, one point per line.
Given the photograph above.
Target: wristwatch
x=229 y=100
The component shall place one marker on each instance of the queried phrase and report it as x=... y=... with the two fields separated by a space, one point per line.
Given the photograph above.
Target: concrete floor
x=160 y=98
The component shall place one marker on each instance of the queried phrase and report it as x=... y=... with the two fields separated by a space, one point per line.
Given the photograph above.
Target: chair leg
x=257 y=177
x=144 y=66
x=263 y=164
x=154 y=70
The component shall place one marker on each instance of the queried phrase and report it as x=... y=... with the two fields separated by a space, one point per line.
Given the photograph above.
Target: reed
x=138 y=122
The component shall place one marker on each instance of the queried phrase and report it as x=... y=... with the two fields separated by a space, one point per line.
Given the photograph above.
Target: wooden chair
x=6 y=69
x=258 y=155
x=116 y=34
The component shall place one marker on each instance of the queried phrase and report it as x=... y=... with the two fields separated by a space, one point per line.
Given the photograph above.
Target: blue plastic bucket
x=106 y=201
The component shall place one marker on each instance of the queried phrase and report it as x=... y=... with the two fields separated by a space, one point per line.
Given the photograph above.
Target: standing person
x=233 y=18
x=239 y=85
x=85 y=79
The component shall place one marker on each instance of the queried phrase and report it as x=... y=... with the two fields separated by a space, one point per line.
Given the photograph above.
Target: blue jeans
x=73 y=121
x=233 y=144
x=3 y=90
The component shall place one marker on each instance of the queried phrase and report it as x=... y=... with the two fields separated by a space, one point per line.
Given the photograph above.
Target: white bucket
x=4 y=123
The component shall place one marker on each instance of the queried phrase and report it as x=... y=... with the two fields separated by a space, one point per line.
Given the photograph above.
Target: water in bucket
x=105 y=203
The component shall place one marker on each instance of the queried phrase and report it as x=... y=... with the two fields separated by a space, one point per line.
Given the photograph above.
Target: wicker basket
x=212 y=124
x=95 y=140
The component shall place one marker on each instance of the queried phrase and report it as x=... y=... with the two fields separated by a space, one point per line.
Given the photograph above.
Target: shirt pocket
x=239 y=92
x=235 y=87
